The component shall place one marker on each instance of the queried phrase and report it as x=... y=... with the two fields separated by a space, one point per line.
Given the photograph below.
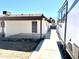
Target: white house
x=31 y=26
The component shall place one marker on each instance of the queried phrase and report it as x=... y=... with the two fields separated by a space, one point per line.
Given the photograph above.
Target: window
x=34 y=26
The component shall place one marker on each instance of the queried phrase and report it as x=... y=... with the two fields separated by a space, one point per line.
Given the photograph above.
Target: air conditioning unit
x=6 y=13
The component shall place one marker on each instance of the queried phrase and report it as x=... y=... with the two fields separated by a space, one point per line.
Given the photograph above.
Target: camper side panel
x=72 y=36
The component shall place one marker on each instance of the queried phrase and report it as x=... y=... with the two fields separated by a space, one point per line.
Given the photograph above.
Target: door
x=34 y=26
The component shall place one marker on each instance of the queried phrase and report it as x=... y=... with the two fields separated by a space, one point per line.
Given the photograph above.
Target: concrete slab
x=49 y=48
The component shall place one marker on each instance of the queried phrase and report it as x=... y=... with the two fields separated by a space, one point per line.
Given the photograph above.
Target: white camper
x=68 y=27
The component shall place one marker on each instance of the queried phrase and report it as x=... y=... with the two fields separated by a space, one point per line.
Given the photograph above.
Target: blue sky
x=48 y=7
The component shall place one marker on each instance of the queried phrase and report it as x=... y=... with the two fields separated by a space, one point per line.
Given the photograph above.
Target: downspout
x=3 y=25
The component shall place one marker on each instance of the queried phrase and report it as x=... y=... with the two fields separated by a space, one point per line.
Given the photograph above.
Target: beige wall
x=44 y=26
x=16 y=27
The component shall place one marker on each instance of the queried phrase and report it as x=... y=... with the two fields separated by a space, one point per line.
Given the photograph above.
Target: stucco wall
x=44 y=26
x=16 y=27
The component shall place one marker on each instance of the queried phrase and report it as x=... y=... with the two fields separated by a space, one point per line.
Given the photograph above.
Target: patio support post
x=41 y=28
x=3 y=25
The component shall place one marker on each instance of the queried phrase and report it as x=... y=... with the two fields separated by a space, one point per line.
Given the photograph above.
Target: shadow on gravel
x=63 y=52
x=22 y=44
x=27 y=45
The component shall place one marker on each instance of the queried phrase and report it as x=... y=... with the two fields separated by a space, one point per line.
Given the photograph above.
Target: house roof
x=23 y=17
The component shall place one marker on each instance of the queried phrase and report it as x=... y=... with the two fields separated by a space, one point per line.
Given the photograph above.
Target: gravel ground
x=21 y=49
x=63 y=52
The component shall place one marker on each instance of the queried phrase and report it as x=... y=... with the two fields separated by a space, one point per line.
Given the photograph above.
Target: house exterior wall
x=38 y=26
x=16 y=27
x=45 y=25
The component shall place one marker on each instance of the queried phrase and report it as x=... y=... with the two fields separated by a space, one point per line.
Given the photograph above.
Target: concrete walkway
x=48 y=48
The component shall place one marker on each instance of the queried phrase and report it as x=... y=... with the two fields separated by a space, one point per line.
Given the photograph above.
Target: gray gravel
x=63 y=52
x=19 y=45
